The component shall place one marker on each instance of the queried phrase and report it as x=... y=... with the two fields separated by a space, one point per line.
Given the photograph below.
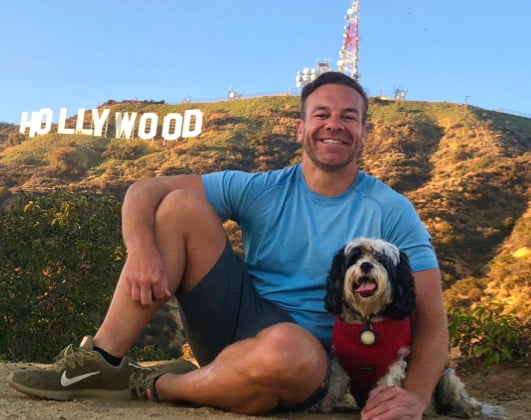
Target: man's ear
x=300 y=130
x=365 y=133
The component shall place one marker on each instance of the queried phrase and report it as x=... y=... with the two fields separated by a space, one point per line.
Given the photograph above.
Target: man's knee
x=189 y=234
x=187 y=212
x=289 y=351
x=182 y=203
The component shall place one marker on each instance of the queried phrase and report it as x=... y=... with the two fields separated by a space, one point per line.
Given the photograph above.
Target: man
x=259 y=329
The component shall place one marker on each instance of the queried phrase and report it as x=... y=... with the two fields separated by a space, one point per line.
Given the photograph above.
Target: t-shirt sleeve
x=408 y=233
x=226 y=192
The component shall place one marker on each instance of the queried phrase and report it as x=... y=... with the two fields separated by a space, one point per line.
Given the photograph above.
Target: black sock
x=113 y=360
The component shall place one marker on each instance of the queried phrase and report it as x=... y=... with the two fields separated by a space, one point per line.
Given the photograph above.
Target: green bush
x=60 y=256
x=487 y=335
x=65 y=160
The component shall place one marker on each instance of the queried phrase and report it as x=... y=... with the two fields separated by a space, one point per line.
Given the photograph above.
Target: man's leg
x=190 y=239
x=282 y=366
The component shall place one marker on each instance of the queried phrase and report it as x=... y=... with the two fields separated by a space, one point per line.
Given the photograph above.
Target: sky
x=79 y=54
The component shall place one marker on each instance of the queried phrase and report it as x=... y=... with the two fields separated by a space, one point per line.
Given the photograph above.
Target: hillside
x=465 y=169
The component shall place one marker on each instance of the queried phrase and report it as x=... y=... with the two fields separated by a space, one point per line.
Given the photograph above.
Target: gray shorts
x=224 y=308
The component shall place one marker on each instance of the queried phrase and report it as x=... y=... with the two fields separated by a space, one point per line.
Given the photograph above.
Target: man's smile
x=331 y=141
x=327 y=140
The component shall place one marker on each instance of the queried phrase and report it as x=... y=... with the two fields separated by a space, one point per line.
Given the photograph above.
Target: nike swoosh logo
x=66 y=381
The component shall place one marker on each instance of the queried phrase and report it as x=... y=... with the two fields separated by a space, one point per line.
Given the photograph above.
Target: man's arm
x=144 y=271
x=429 y=355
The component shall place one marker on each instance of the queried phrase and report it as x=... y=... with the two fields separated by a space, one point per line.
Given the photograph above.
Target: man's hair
x=338 y=78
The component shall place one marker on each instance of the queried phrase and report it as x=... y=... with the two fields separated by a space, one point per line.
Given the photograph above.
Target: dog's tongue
x=365 y=286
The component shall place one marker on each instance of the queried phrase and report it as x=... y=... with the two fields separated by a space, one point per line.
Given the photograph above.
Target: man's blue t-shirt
x=290 y=234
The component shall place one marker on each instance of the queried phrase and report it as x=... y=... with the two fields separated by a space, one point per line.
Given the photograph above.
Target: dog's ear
x=403 y=290
x=334 y=283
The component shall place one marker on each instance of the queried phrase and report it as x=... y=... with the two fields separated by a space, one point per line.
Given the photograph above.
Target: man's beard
x=331 y=168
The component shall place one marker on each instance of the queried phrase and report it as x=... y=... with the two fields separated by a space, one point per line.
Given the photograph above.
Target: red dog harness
x=366 y=363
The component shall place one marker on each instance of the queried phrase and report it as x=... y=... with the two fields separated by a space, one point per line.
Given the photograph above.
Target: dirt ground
x=509 y=386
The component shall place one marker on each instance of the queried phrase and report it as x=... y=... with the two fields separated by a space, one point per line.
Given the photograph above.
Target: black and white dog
x=370 y=289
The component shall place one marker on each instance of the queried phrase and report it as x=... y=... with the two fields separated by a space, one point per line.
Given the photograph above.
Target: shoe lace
x=72 y=356
x=140 y=381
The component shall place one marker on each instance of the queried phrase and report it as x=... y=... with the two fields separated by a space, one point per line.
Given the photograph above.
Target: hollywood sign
x=174 y=125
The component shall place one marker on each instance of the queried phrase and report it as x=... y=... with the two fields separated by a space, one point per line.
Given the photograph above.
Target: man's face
x=332 y=133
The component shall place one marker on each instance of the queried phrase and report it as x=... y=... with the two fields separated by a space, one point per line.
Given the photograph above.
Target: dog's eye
x=353 y=256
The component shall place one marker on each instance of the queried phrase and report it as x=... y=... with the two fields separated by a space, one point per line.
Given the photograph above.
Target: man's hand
x=145 y=277
x=393 y=403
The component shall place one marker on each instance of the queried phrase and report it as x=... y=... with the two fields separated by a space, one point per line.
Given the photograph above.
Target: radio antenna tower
x=348 y=56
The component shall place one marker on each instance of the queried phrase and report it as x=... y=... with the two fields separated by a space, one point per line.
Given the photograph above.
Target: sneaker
x=78 y=373
x=142 y=378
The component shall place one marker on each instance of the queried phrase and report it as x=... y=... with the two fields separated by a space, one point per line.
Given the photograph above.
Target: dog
x=371 y=291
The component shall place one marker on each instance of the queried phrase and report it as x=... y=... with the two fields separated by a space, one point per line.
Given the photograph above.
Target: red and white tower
x=348 y=56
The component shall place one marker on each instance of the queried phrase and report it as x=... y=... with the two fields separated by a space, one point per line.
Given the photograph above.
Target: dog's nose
x=366 y=267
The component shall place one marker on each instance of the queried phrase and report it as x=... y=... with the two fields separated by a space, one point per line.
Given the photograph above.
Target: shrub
x=124 y=150
x=15 y=138
x=60 y=256
x=488 y=335
x=65 y=160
